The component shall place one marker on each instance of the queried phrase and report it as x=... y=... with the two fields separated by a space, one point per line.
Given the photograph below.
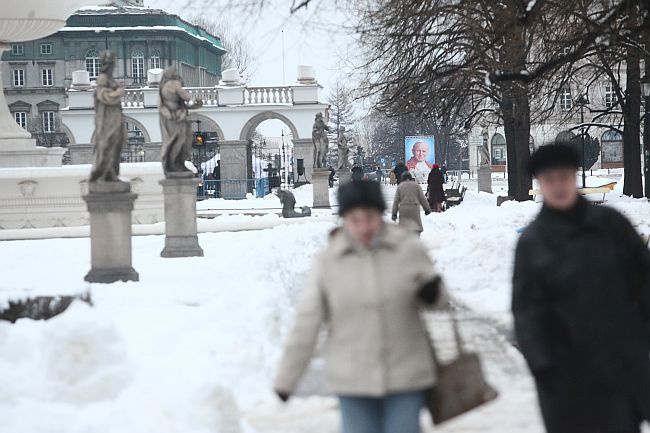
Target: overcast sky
x=311 y=37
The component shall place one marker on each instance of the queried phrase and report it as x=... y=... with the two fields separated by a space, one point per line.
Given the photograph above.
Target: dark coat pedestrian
x=436 y=193
x=581 y=304
x=331 y=176
x=399 y=170
x=357 y=173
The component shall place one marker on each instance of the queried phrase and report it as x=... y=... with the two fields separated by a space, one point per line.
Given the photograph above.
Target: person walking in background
x=331 y=176
x=392 y=178
x=581 y=305
x=399 y=170
x=379 y=174
x=368 y=284
x=436 y=192
x=407 y=202
x=443 y=170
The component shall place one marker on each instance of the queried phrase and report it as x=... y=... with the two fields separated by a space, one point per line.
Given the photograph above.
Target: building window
x=21 y=118
x=93 y=63
x=566 y=102
x=155 y=60
x=137 y=65
x=612 y=147
x=46 y=49
x=499 y=150
x=47 y=77
x=17 y=49
x=49 y=124
x=610 y=97
x=18 y=77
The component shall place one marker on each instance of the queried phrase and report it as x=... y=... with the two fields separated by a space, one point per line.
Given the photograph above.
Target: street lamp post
x=582 y=102
x=645 y=91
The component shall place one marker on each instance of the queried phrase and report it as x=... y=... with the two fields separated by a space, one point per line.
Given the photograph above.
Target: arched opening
x=499 y=150
x=137 y=66
x=270 y=156
x=611 y=149
x=205 y=144
x=93 y=63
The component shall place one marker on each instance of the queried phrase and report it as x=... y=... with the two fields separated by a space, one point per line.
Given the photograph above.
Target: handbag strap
x=458 y=339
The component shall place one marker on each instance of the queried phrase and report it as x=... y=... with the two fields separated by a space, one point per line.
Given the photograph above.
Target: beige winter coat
x=376 y=342
x=408 y=199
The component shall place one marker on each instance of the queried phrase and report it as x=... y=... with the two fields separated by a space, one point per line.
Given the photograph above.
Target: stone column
x=321 y=190
x=485 y=179
x=233 y=169
x=110 y=205
x=180 y=216
x=303 y=149
x=344 y=176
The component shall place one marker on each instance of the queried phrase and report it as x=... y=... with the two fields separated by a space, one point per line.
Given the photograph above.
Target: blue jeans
x=394 y=413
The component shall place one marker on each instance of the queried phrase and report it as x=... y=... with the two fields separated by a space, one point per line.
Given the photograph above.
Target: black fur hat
x=550 y=156
x=360 y=193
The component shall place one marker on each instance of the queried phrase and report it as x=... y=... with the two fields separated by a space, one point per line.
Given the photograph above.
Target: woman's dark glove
x=430 y=291
x=283 y=396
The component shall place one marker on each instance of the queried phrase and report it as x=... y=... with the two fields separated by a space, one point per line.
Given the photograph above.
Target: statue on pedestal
x=344 y=150
x=175 y=125
x=110 y=132
x=484 y=155
x=320 y=140
x=288 y=201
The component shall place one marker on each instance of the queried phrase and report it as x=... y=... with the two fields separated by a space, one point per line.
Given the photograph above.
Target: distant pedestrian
x=357 y=173
x=407 y=202
x=581 y=304
x=379 y=174
x=392 y=178
x=443 y=170
x=436 y=191
x=331 y=176
x=368 y=286
x=399 y=170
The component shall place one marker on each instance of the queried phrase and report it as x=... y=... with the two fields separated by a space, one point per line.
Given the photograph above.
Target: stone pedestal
x=485 y=179
x=345 y=176
x=110 y=205
x=321 y=191
x=180 y=216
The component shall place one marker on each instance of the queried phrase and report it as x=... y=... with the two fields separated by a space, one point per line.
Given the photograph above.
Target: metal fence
x=233 y=188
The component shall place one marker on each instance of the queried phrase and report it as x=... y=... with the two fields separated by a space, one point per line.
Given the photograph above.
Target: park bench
x=604 y=190
x=454 y=195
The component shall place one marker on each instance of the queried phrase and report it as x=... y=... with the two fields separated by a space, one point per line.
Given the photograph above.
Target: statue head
x=319 y=116
x=108 y=62
x=170 y=73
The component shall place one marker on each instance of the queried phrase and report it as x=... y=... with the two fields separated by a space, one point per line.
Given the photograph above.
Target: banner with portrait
x=420 y=156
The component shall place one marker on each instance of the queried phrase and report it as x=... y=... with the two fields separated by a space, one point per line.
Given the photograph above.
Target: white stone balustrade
x=134 y=98
x=268 y=95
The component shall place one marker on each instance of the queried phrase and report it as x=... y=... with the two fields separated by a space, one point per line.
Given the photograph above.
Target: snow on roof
x=138 y=28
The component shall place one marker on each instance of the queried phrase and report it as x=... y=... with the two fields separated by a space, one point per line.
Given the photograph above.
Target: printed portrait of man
x=418 y=164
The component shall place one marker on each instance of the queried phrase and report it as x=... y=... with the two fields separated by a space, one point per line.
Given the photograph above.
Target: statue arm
x=110 y=97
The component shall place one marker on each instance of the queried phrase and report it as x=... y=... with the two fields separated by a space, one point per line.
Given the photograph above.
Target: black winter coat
x=581 y=304
x=436 y=191
x=399 y=170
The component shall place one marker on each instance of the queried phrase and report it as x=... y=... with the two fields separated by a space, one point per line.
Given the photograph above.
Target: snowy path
x=193 y=346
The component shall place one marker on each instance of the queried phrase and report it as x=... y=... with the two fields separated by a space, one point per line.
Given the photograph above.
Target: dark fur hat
x=360 y=193
x=550 y=156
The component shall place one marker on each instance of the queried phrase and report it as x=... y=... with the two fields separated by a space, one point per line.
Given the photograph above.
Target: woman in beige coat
x=368 y=285
x=408 y=200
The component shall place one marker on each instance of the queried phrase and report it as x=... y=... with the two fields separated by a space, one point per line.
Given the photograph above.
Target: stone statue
x=175 y=125
x=484 y=154
x=320 y=140
x=344 y=150
x=110 y=131
x=288 y=201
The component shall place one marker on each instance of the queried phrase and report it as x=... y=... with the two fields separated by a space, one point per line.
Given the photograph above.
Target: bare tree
x=239 y=52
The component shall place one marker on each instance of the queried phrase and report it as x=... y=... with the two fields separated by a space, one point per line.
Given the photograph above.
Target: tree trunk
x=515 y=107
x=646 y=121
x=632 y=181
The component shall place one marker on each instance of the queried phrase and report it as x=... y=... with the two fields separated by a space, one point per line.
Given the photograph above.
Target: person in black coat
x=399 y=170
x=357 y=173
x=581 y=305
x=436 y=192
x=330 y=178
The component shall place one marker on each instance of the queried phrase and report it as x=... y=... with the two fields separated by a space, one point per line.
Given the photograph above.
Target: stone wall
x=51 y=197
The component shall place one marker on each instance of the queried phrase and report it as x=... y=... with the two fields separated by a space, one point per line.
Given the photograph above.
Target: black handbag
x=461 y=385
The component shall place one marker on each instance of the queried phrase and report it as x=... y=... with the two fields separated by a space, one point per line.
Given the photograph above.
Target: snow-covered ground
x=193 y=346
